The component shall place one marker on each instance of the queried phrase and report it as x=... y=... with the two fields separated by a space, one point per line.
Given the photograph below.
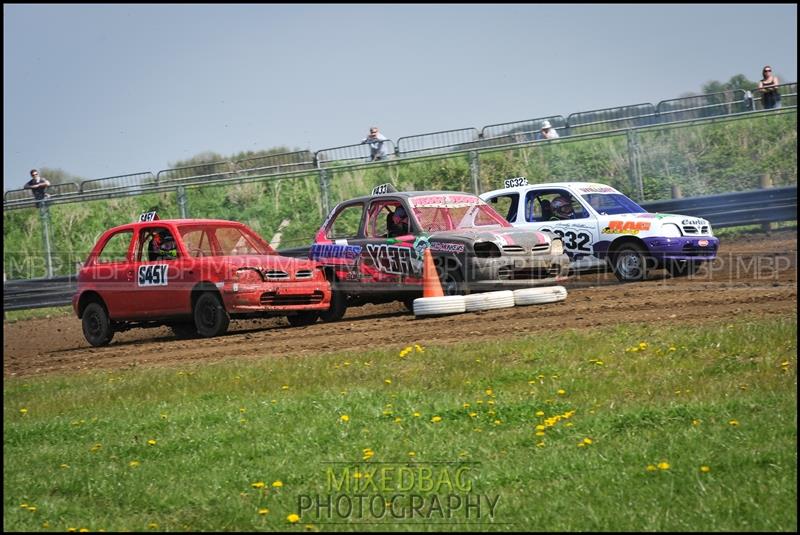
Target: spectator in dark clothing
x=38 y=185
x=770 y=97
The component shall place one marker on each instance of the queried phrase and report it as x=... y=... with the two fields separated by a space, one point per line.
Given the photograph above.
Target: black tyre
x=338 y=306
x=210 y=317
x=97 y=325
x=408 y=302
x=302 y=319
x=452 y=280
x=682 y=268
x=183 y=330
x=629 y=263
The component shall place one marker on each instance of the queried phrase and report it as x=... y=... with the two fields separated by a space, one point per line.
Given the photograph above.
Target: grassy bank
x=672 y=428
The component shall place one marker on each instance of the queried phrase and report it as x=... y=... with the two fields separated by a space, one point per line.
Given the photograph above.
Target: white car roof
x=567 y=185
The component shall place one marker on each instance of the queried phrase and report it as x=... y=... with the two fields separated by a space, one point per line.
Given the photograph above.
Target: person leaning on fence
x=38 y=185
x=770 y=97
x=548 y=132
x=377 y=147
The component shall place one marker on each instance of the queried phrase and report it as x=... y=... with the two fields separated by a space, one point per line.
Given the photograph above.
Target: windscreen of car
x=436 y=213
x=224 y=241
x=612 y=204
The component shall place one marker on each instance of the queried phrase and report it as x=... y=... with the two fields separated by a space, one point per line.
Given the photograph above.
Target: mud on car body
x=601 y=226
x=193 y=275
x=373 y=248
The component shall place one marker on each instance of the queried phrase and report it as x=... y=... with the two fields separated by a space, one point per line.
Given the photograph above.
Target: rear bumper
x=249 y=298
x=684 y=248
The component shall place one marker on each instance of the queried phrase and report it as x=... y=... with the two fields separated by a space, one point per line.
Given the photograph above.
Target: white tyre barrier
x=431 y=306
x=489 y=300
x=539 y=296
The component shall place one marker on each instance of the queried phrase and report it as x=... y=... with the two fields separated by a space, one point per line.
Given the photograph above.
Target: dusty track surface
x=753 y=276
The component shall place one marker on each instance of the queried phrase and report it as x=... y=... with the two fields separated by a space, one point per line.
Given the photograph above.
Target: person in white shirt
x=377 y=147
x=548 y=132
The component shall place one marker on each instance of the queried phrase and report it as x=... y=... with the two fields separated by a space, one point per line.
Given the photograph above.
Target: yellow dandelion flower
x=285 y=387
x=416 y=414
x=473 y=414
x=163 y=416
x=345 y=418
x=72 y=529
x=466 y=405
x=293 y=518
x=96 y=447
x=387 y=381
x=561 y=392
x=599 y=362
x=64 y=465
x=32 y=508
x=152 y=525
x=412 y=454
x=705 y=469
x=357 y=475
x=539 y=433
x=419 y=348
x=23 y=411
x=242 y=410
x=134 y=464
x=642 y=345
x=23 y=506
x=540 y=444
x=436 y=419
x=734 y=422
x=45 y=524
x=540 y=427
x=258 y=485
x=568 y=424
x=651 y=468
x=539 y=413
x=497 y=422
x=151 y=442
x=83 y=530
x=263 y=511
x=277 y=484
x=696 y=422
x=663 y=465
x=581 y=445
x=398 y=420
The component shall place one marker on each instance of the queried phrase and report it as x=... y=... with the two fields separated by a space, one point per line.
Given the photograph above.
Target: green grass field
x=639 y=428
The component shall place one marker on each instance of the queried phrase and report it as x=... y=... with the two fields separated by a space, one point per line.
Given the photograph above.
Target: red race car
x=192 y=275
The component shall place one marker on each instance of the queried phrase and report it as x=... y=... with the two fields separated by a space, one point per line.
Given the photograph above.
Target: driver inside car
x=397 y=223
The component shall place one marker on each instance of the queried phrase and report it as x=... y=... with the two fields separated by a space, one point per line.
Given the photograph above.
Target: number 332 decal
x=580 y=242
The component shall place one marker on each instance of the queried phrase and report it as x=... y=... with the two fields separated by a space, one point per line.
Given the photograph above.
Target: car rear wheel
x=210 y=317
x=302 y=319
x=97 y=327
x=629 y=263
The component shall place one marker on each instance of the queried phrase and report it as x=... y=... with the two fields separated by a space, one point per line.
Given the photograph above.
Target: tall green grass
x=188 y=448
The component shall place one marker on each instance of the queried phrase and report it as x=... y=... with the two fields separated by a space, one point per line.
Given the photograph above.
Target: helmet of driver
x=166 y=246
x=562 y=208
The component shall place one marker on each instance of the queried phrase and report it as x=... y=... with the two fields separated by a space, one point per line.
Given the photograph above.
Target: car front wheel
x=629 y=263
x=210 y=316
x=97 y=327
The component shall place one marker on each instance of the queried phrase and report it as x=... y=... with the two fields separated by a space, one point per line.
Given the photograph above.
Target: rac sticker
x=627 y=227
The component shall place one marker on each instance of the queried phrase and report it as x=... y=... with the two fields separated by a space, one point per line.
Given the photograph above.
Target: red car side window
x=116 y=248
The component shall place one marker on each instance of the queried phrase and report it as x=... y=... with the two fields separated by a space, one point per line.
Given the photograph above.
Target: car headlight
x=486 y=249
x=668 y=230
x=556 y=247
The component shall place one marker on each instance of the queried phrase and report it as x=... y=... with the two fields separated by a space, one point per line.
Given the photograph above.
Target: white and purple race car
x=601 y=226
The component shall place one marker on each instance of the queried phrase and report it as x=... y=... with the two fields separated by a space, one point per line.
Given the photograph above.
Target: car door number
x=574 y=241
x=153 y=275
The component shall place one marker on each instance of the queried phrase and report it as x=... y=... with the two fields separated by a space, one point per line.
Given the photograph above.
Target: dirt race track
x=754 y=276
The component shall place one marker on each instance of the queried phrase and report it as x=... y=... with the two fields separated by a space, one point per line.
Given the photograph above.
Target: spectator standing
x=38 y=185
x=548 y=132
x=377 y=147
x=770 y=97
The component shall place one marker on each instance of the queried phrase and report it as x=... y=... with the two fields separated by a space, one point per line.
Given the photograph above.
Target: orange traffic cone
x=431 y=287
